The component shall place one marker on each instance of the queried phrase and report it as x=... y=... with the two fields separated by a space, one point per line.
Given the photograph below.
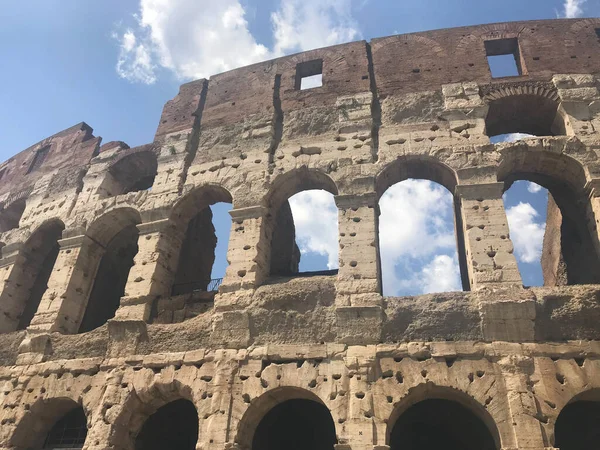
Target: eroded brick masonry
x=114 y=338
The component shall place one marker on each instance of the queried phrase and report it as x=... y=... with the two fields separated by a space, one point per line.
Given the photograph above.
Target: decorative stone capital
x=250 y=212
x=72 y=242
x=356 y=201
x=153 y=227
x=484 y=191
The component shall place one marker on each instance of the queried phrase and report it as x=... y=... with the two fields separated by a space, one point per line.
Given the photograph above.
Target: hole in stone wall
x=203 y=255
x=305 y=238
x=111 y=278
x=417 y=239
x=133 y=173
x=526 y=205
x=309 y=74
x=504 y=57
x=435 y=424
x=577 y=426
x=69 y=432
x=296 y=424
x=38 y=159
x=174 y=426
x=11 y=215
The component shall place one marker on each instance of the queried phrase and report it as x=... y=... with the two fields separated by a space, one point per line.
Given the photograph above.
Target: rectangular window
x=39 y=158
x=598 y=32
x=504 y=58
x=2 y=173
x=309 y=74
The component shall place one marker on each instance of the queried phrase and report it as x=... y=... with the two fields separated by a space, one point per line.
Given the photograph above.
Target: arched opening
x=420 y=232
x=50 y=424
x=304 y=224
x=118 y=235
x=569 y=253
x=69 y=432
x=296 y=424
x=576 y=427
x=204 y=214
x=10 y=216
x=40 y=253
x=132 y=173
x=175 y=425
x=433 y=424
x=528 y=112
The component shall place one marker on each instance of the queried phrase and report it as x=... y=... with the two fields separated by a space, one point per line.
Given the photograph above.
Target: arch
x=28 y=279
x=525 y=108
x=173 y=425
x=284 y=254
x=270 y=410
x=576 y=426
x=450 y=401
x=50 y=421
x=569 y=242
x=135 y=171
x=420 y=167
x=193 y=219
x=111 y=247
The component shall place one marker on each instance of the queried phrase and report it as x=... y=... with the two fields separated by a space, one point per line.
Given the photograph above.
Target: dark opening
x=111 y=279
x=174 y=426
x=309 y=74
x=39 y=158
x=2 y=173
x=504 y=58
x=597 y=30
x=133 y=173
x=40 y=285
x=530 y=114
x=11 y=216
x=435 y=424
x=69 y=432
x=203 y=256
x=577 y=426
x=297 y=424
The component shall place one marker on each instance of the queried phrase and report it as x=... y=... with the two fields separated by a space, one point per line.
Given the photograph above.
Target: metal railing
x=197 y=286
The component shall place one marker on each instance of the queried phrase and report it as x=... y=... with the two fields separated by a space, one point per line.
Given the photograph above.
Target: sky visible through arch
x=113 y=64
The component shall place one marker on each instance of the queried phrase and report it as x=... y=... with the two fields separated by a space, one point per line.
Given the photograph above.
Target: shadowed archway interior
x=173 y=426
x=577 y=426
x=438 y=423
x=69 y=431
x=297 y=424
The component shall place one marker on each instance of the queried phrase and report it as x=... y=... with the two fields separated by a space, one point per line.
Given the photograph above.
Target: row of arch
x=296 y=419
x=110 y=243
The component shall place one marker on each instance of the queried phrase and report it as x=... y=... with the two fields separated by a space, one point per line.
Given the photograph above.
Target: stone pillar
x=63 y=304
x=248 y=257
x=515 y=370
x=153 y=271
x=11 y=265
x=359 y=277
x=488 y=248
x=593 y=212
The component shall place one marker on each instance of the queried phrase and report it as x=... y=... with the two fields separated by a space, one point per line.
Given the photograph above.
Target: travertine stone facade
x=123 y=338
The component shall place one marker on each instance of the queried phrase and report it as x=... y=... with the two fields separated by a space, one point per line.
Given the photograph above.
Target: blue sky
x=114 y=63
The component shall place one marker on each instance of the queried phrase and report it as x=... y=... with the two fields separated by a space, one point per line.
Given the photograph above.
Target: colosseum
x=115 y=337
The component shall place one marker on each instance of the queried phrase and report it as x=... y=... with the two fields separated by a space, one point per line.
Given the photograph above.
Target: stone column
x=515 y=371
x=359 y=277
x=593 y=212
x=153 y=271
x=248 y=256
x=488 y=248
x=63 y=304
x=11 y=266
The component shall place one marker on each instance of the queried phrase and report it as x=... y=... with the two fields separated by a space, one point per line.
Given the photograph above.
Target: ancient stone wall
x=506 y=359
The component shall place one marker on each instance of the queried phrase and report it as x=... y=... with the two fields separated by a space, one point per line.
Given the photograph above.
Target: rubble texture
x=105 y=309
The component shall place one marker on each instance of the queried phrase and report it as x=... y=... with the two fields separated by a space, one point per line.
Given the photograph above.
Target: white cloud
x=417 y=240
x=573 y=8
x=316 y=221
x=307 y=24
x=533 y=187
x=197 y=39
x=527 y=235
